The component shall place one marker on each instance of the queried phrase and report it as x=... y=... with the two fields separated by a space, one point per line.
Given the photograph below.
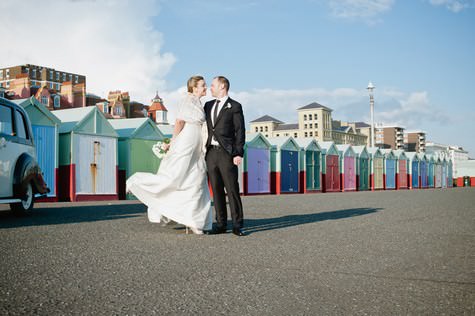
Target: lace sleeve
x=181 y=110
x=190 y=110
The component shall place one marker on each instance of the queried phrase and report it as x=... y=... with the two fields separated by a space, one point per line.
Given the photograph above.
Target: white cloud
x=368 y=10
x=454 y=5
x=111 y=42
x=414 y=111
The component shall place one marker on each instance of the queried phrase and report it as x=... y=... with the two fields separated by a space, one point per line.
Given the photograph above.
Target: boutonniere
x=228 y=106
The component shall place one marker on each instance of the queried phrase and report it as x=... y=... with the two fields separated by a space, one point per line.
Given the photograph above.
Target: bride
x=179 y=191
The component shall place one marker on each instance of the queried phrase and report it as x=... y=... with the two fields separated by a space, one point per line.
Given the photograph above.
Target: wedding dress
x=179 y=190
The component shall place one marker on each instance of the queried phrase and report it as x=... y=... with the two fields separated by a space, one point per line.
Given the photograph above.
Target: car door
x=8 y=150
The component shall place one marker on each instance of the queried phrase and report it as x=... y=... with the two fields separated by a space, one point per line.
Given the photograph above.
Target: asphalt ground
x=361 y=253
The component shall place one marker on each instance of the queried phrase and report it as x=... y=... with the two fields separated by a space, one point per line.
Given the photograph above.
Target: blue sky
x=278 y=55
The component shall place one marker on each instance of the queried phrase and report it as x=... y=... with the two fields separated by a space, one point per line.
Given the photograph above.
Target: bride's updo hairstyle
x=193 y=82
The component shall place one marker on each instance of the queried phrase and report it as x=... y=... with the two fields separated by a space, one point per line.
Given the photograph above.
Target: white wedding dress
x=179 y=191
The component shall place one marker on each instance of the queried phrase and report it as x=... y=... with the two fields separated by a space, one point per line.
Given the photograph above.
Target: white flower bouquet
x=161 y=148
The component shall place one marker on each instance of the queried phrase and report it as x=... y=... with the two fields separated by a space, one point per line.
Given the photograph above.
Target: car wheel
x=26 y=204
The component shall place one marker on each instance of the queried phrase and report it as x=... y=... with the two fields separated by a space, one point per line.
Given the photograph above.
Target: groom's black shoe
x=216 y=231
x=238 y=232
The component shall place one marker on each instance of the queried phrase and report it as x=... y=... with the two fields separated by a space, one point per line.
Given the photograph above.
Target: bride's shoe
x=195 y=231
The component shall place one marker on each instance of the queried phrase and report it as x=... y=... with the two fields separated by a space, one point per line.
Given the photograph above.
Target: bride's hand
x=166 y=147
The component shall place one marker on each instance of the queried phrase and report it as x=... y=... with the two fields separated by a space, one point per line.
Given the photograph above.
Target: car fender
x=27 y=170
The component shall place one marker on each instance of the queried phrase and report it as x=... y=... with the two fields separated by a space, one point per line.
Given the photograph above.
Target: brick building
x=55 y=89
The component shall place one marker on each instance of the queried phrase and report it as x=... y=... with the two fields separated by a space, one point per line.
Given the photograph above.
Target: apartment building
x=389 y=137
x=415 y=141
x=314 y=120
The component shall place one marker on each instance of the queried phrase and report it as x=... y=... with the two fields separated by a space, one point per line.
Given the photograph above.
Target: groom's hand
x=237 y=160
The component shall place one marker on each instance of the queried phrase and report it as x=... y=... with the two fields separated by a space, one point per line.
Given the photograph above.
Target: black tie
x=215 y=114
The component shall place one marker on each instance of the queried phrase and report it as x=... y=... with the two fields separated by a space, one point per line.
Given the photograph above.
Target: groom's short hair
x=223 y=80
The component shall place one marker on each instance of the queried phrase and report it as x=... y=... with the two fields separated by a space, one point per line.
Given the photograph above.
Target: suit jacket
x=229 y=129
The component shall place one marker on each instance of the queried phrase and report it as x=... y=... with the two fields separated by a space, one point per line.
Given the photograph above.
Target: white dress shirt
x=222 y=101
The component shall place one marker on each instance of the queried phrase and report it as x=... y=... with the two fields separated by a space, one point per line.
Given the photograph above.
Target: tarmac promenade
x=362 y=253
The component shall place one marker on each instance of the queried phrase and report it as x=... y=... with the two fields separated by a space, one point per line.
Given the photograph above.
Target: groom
x=225 y=149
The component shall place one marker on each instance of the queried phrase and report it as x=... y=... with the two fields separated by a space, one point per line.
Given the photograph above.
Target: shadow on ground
x=80 y=214
x=264 y=224
x=71 y=214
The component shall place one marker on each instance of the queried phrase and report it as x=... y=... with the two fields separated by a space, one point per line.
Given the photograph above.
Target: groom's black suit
x=229 y=132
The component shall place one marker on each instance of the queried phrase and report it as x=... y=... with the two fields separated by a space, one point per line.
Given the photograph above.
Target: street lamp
x=371 y=104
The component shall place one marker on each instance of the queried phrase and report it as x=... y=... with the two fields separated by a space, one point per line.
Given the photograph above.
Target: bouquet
x=159 y=149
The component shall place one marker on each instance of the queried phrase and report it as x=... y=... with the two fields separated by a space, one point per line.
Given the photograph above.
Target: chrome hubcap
x=28 y=197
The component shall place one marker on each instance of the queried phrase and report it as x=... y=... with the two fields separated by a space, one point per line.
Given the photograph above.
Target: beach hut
x=88 y=167
x=390 y=168
x=413 y=172
x=136 y=139
x=45 y=128
x=437 y=172
x=256 y=165
x=423 y=170
x=310 y=165
x=347 y=167
x=376 y=168
x=362 y=167
x=430 y=171
x=401 y=170
x=443 y=161
x=330 y=167
x=285 y=174
x=450 y=173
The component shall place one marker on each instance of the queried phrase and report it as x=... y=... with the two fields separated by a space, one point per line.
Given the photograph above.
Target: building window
x=305 y=126
x=311 y=134
x=311 y=125
x=261 y=129
x=57 y=86
x=316 y=125
x=286 y=134
x=315 y=117
x=7 y=84
x=56 y=102
x=51 y=85
x=257 y=129
x=306 y=134
x=7 y=73
x=106 y=107
x=1 y=74
x=33 y=74
x=266 y=135
x=277 y=135
x=51 y=75
x=64 y=77
x=44 y=100
x=76 y=79
x=305 y=117
x=57 y=75
x=70 y=77
x=295 y=135
x=266 y=129
x=310 y=117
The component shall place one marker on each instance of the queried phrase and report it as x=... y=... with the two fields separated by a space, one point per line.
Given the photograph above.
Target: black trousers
x=223 y=173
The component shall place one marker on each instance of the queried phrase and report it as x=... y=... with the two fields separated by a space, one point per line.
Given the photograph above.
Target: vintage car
x=20 y=176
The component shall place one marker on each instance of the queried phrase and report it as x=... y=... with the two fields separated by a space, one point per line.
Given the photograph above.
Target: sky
x=278 y=55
